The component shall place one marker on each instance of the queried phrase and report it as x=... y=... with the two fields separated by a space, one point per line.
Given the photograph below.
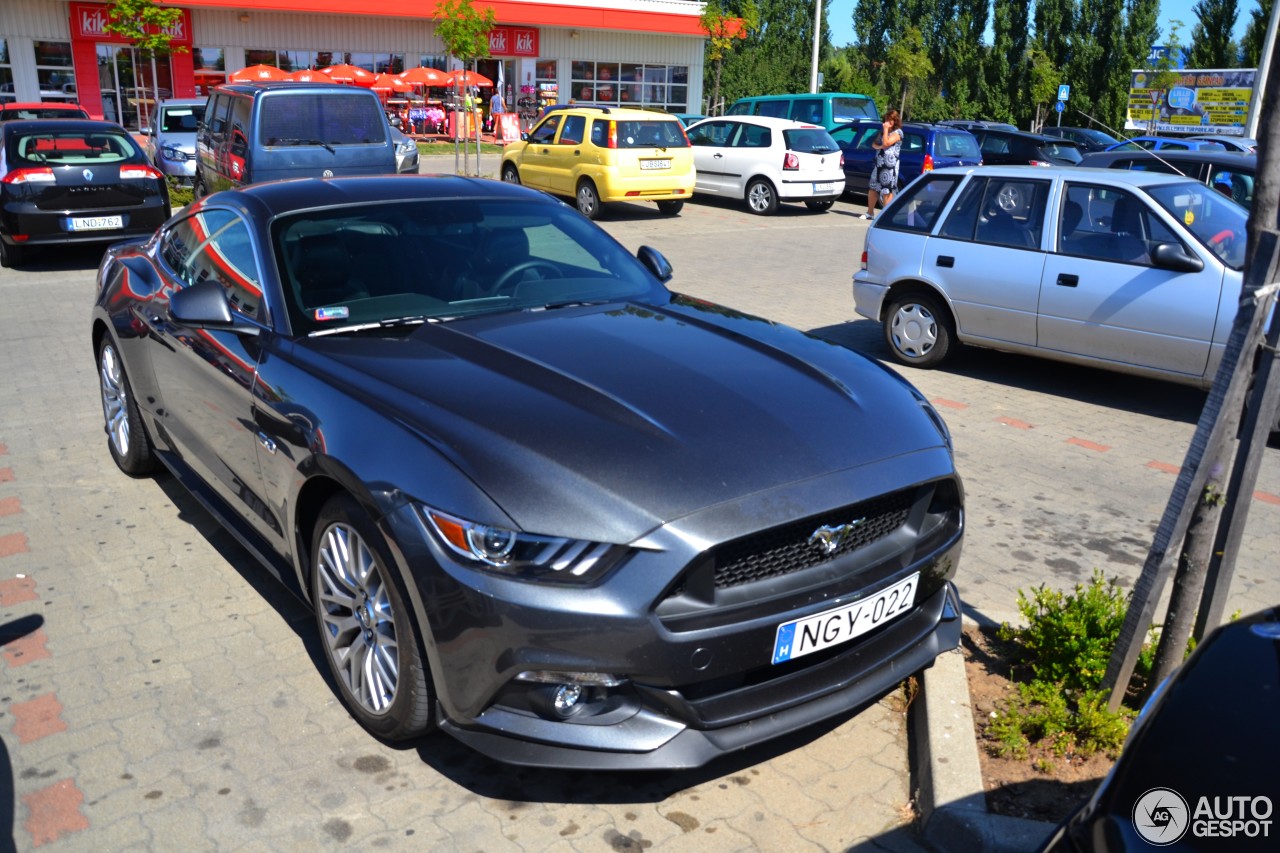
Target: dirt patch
x=1043 y=786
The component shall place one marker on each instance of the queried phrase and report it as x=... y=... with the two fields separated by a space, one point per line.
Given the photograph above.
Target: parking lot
x=165 y=694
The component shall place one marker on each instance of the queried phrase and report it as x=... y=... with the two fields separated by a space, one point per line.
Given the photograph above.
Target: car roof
x=768 y=121
x=1134 y=178
x=1219 y=156
x=85 y=125
x=286 y=85
x=183 y=102
x=1024 y=134
x=40 y=105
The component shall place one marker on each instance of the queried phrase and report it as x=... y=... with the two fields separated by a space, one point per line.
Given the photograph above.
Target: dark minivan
x=254 y=132
x=1018 y=148
x=925 y=147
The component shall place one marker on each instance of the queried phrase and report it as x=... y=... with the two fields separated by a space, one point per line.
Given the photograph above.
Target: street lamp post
x=817 y=40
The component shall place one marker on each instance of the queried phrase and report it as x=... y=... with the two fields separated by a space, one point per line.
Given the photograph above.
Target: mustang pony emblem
x=830 y=538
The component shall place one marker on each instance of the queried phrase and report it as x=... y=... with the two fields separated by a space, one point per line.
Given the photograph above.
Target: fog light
x=566 y=699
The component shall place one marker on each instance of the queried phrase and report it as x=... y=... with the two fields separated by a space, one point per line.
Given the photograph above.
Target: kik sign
x=89 y=21
x=513 y=41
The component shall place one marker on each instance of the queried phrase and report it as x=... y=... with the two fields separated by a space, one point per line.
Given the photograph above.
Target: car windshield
x=809 y=141
x=405 y=263
x=73 y=148
x=181 y=119
x=1212 y=218
x=848 y=109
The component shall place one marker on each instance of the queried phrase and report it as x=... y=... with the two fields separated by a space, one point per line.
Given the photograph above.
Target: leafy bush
x=179 y=196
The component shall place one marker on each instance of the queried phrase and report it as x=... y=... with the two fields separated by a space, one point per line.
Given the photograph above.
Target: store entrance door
x=131 y=80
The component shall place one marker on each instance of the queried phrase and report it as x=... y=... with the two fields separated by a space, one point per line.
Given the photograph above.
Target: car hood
x=615 y=419
x=182 y=141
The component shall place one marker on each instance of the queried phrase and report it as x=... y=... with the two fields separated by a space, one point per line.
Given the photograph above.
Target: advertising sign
x=1204 y=102
x=89 y=21
x=513 y=41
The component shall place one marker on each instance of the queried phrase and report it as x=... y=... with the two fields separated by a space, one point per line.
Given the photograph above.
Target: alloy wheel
x=115 y=400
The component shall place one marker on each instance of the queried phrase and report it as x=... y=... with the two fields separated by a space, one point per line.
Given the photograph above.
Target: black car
x=1018 y=148
x=1198 y=771
x=1087 y=138
x=1229 y=172
x=533 y=497
x=976 y=124
x=74 y=181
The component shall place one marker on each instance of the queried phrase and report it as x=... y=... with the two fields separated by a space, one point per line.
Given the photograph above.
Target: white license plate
x=96 y=223
x=824 y=188
x=655 y=164
x=833 y=627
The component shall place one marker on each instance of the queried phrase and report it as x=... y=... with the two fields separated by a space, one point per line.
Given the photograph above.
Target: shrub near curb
x=1065 y=646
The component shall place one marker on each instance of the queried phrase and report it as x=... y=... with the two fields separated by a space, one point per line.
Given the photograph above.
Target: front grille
x=792 y=547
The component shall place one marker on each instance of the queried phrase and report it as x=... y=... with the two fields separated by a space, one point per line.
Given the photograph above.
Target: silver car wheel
x=760 y=197
x=358 y=622
x=1009 y=198
x=588 y=204
x=915 y=330
x=115 y=400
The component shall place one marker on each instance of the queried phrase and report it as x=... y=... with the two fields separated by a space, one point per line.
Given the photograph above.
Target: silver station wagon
x=1130 y=271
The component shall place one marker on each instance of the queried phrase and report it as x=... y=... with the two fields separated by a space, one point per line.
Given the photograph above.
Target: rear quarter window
x=291 y=119
x=776 y=109
x=918 y=206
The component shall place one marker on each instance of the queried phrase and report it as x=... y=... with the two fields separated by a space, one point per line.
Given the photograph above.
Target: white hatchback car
x=1136 y=272
x=767 y=160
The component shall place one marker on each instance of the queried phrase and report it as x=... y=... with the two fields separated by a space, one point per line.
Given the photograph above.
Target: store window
x=210 y=68
x=6 y=73
x=298 y=60
x=54 y=71
x=623 y=83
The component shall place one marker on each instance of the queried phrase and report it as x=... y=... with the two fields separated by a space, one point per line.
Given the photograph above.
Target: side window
x=807 y=109
x=600 y=133
x=777 y=109
x=573 y=130
x=218 y=114
x=918 y=206
x=963 y=219
x=754 y=136
x=1176 y=146
x=227 y=257
x=992 y=144
x=1106 y=224
x=1150 y=164
x=545 y=132
x=716 y=133
x=1012 y=212
x=912 y=142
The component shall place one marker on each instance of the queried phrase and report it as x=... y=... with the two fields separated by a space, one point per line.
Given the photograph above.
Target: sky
x=840 y=17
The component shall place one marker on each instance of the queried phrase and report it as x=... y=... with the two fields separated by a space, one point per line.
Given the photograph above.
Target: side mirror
x=655 y=263
x=1174 y=256
x=205 y=306
x=524 y=136
x=145 y=131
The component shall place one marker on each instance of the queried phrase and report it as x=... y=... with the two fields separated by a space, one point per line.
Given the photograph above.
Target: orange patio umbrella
x=345 y=73
x=423 y=76
x=257 y=74
x=468 y=78
x=306 y=75
x=390 y=83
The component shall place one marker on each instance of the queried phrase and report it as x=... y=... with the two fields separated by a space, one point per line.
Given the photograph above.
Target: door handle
x=946 y=261
x=1065 y=280
x=267 y=443
x=718 y=156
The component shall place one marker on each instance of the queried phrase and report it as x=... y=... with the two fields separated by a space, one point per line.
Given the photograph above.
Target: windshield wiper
x=326 y=146
x=416 y=320
x=569 y=303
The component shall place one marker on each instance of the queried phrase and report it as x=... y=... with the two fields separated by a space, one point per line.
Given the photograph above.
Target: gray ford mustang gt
x=534 y=498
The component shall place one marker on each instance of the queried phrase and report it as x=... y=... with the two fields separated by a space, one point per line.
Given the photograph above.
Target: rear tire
x=762 y=198
x=919 y=330
x=671 y=207
x=369 y=635
x=198 y=189
x=819 y=206
x=510 y=174
x=11 y=256
x=588 y=199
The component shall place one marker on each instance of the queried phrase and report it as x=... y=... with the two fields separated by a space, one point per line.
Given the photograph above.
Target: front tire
x=762 y=198
x=588 y=199
x=671 y=207
x=369 y=636
x=919 y=330
x=127 y=438
x=510 y=174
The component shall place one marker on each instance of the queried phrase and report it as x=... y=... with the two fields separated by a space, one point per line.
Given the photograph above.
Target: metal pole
x=817 y=41
x=1260 y=82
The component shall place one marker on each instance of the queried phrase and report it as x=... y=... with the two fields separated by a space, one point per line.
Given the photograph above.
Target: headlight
x=173 y=154
x=517 y=554
x=406 y=146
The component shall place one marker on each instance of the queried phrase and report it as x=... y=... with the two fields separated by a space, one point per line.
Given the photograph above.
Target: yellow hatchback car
x=601 y=154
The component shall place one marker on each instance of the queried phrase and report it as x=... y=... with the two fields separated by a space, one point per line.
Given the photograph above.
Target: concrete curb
x=953 y=805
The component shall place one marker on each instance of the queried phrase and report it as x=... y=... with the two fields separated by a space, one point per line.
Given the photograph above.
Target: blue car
x=1165 y=143
x=925 y=147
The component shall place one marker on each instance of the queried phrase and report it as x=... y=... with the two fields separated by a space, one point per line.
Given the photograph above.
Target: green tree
x=907 y=63
x=465 y=33
x=776 y=57
x=1212 y=45
x=1055 y=22
x=725 y=27
x=1256 y=33
x=144 y=25
x=1044 y=78
x=1099 y=66
x=1166 y=75
x=1004 y=62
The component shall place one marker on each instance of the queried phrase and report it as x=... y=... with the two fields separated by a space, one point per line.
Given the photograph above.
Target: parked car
x=256 y=132
x=765 y=161
x=689 y=118
x=597 y=155
x=828 y=109
x=1242 y=144
x=74 y=181
x=1131 y=271
x=1230 y=173
x=407 y=155
x=534 y=498
x=1174 y=790
x=1017 y=148
x=171 y=137
x=41 y=109
x=925 y=147
x=976 y=124
x=1086 y=138
x=1166 y=143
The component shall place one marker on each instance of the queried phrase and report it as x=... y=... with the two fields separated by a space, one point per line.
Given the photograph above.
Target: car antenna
x=1123 y=138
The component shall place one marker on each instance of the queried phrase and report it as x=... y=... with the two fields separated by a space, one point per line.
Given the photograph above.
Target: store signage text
x=513 y=41
x=89 y=21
